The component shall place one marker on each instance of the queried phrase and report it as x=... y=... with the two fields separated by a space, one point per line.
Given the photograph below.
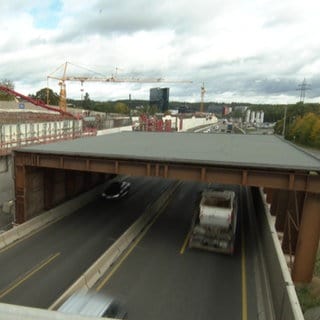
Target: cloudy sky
x=246 y=51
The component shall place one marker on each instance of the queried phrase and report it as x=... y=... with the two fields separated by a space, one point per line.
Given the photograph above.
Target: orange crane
x=62 y=81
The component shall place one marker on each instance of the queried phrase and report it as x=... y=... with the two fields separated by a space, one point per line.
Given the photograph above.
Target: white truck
x=215 y=223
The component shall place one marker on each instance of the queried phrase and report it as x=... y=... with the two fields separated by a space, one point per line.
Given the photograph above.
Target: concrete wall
x=283 y=295
x=194 y=122
x=6 y=184
x=34 y=196
x=114 y=130
x=13 y=135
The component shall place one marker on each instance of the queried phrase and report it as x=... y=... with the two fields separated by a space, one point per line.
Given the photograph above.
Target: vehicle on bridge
x=229 y=127
x=214 y=225
x=116 y=190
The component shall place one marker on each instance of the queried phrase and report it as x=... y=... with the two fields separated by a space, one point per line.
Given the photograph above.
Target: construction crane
x=203 y=91
x=36 y=102
x=101 y=78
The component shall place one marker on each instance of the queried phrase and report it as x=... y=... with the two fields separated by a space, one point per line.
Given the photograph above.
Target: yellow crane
x=114 y=78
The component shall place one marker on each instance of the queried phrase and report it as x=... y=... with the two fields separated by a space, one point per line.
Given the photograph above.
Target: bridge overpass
x=259 y=161
x=48 y=175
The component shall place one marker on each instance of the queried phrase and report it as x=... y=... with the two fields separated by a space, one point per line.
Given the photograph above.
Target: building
x=159 y=97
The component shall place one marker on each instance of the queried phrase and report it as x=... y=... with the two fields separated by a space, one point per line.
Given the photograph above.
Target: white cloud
x=242 y=50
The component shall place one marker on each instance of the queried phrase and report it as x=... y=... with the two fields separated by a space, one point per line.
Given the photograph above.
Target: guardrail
x=7 y=146
x=282 y=290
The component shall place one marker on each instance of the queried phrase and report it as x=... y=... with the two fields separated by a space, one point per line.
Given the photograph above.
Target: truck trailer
x=214 y=225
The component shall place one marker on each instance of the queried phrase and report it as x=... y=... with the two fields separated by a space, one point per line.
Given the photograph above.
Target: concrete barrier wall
x=194 y=122
x=24 y=133
x=284 y=299
x=93 y=274
x=114 y=130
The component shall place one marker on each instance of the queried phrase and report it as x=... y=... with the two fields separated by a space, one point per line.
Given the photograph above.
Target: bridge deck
x=219 y=149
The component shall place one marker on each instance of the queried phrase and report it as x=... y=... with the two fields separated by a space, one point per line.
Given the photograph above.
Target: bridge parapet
x=283 y=296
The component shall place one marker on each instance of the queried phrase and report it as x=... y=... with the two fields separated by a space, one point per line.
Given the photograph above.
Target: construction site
x=26 y=120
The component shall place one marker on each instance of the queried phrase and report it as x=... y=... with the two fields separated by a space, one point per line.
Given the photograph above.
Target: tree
x=150 y=110
x=87 y=104
x=304 y=129
x=237 y=114
x=3 y=95
x=315 y=133
x=48 y=96
x=121 y=107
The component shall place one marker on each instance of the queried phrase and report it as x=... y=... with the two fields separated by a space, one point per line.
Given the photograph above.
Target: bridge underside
x=44 y=180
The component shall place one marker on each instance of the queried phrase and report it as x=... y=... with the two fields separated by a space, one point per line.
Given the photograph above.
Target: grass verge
x=307 y=294
x=306 y=299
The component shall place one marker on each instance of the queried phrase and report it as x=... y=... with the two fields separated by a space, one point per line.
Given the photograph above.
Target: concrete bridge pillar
x=48 y=188
x=20 y=187
x=308 y=240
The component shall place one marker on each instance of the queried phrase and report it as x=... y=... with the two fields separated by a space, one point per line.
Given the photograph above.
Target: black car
x=116 y=190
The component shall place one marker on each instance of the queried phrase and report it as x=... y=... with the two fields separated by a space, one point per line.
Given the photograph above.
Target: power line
x=303 y=87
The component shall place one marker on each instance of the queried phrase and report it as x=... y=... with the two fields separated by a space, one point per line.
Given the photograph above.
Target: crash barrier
x=49 y=216
x=282 y=290
x=93 y=274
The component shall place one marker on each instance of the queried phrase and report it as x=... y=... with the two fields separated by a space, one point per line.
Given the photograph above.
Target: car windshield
x=114 y=187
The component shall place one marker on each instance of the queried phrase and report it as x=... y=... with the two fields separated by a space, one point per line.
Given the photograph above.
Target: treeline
x=302 y=121
x=302 y=124
x=305 y=130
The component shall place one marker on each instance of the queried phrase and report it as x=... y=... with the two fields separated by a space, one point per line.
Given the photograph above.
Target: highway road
x=158 y=278
x=36 y=271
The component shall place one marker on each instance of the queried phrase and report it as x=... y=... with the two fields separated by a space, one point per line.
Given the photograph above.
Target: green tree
x=150 y=110
x=87 y=103
x=302 y=131
x=237 y=114
x=315 y=133
x=121 y=107
x=47 y=96
x=3 y=95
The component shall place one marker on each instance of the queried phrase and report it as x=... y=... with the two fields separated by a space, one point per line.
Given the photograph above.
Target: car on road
x=116 y=190
x=93 y=304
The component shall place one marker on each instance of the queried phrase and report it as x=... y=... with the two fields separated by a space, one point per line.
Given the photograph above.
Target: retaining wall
x=283 y=295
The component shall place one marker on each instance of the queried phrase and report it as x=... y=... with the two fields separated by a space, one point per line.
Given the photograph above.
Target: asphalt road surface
x=36 y=271
x=160 y=278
